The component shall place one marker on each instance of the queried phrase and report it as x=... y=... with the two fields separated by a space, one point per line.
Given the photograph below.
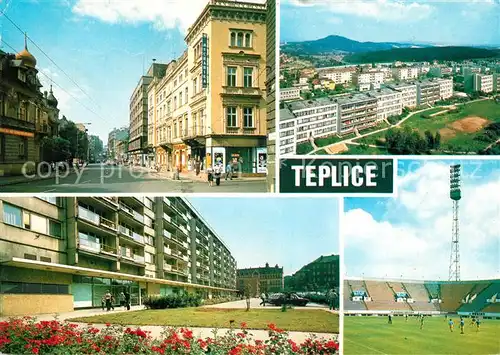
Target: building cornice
x=227 y=10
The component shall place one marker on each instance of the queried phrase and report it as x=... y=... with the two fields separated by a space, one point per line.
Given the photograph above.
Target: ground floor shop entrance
x=88 y=291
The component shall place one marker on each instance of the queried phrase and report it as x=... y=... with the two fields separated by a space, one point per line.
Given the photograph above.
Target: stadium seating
x=354 y=306
x=383 y=297
x=492 y=308
x=452 y=295
x=478 y=296
x=418 y=292
x=349 y=287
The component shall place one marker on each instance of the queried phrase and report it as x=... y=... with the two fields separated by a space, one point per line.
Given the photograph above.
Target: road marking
x=50 y=190
x=365 y=346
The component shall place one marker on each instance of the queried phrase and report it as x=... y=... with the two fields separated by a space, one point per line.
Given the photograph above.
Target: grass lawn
x=372 y=335
x=304 y=148
x=322 y=152
x=292 y=320
x=326 y=141
x=452 y=139
x=359 y=150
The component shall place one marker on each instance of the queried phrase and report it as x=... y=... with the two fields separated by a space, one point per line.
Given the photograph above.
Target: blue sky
x=410 y=236
x=290 y=232
x=104 y=46
x=418 y=21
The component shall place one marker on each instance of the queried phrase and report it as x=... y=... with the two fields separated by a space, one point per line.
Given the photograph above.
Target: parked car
x=278 y=299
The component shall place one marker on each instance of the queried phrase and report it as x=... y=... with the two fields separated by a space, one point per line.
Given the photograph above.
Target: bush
x=217 y=300
x=25 y=336
x=173 y=301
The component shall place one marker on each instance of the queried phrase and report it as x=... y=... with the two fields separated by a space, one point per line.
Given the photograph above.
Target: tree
x=56 y=149
x=437 y=140
x=78 y=140
x=430 y=139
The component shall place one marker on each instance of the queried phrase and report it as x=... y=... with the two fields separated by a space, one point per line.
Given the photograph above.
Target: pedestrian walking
x=210 y=176
x=263 y=298
x=229 y=171
x=197 y=167
x=103 y=302
x=122 y=299
x=331 y=299
x=127 y=300
x=107 y=298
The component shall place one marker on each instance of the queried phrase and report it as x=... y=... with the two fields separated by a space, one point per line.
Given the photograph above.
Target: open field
x=372 y=335
x=458 y=130
x=318 y=321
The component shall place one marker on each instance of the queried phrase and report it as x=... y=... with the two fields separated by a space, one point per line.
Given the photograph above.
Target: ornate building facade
x=27 y=115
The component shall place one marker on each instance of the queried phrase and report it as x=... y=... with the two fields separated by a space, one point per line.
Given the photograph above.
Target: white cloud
x=162 y=14
x=417 y=241
x=383 y=10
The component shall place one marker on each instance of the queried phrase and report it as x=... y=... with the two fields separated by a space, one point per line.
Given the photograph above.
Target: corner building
x=58 y=254
x=267 y=279
x=227 y=68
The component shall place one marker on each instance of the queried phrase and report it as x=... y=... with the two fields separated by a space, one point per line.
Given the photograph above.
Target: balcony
x=89 y=216
x=126 y=209
x=242 y=91
x=130 y=234
x=16 y=123
x=139 y=259
x=138 y=217
x=107 y=223
x=167 y=250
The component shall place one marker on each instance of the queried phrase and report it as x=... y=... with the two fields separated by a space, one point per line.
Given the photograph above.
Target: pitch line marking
x=365 y=346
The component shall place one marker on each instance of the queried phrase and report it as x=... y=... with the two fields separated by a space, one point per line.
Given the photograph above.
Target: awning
x=77 y=270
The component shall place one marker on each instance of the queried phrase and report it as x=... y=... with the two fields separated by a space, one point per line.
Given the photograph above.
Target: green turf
x=372 y=335
x=293 y=320
x=458 y=141
x=364 y=150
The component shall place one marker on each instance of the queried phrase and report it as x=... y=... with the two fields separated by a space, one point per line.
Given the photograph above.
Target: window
x=55 y=229
x=22 y=147
x=231 y=76
x=232 y=118
x=2 y=147
x=21 y=76
x=248 y=117
x=186 y=93
x=39 y=224
x=239 y=39
x=248 y=77
x=12 y=215
x=180 y=99
x=33 y=288
x=248 y=40
x=175 y=102
x=233 y=39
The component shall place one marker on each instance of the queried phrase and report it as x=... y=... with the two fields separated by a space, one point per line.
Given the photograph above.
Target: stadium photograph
x=421 y=270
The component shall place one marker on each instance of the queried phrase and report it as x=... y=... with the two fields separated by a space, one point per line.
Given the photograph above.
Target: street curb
x=29 y=180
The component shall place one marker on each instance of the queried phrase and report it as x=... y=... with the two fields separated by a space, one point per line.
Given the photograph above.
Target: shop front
x=181 y=156
x=245 y=160
x=89 y=291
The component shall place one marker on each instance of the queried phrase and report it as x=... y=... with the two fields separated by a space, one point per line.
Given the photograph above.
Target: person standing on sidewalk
x=127 y=300
x=229 y=171
x=331 y=299
x=107 y=298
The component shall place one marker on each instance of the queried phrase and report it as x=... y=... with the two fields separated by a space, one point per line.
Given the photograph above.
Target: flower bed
x=26 y=336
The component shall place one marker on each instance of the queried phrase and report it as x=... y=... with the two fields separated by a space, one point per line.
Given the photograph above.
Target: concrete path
x=156 y=331
x=255 y=303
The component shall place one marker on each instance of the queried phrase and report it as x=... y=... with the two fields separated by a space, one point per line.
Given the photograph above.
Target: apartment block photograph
x=173 y=261
x=190 y=98
x=356 y=80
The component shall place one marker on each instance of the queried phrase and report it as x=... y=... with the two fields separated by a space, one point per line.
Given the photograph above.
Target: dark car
x=295 y=300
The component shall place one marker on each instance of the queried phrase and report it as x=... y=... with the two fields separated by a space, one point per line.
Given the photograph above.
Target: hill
x=421 y=54
x=332 y=44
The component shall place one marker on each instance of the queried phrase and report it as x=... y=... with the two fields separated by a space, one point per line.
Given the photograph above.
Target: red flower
x=108 y=324
x=243 y=325
x=35 y=350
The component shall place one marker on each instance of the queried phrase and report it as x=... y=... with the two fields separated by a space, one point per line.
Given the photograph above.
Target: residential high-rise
x=271 y=83
x=356 y=112
x=389 y=103
x=428 y=92
x=57 y=254
x=138 y=128
x=408 y=94
x=255 y=281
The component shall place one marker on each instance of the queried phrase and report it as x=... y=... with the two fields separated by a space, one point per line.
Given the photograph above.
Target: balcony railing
x=167 y=217
x=88 y=215
x=137 y=237
x=167 y=267
x=167 y=250
x=107 y=223
x=139 y=259
x=89 y=245
x=125 y=208
x=139 y=217
x=239 y=90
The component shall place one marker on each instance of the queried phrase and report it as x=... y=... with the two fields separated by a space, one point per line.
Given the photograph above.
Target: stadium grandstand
x=383 y=296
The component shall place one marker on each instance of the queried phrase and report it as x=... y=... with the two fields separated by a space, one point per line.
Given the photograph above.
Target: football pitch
x=373 y=335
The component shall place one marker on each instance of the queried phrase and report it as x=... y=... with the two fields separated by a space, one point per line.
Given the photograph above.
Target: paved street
x=97 y=178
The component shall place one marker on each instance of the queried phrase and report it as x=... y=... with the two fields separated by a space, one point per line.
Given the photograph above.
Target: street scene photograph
x=422 y=270
x=169 y=275
x=389 y=77
x=137 y=96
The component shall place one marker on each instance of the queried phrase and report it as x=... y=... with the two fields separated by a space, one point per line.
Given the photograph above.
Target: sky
x=410 y=236
x=290 y=232
x=103 y=45
x=466 y=22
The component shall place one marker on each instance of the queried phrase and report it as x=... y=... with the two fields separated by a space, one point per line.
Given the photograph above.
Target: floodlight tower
x=455 y=195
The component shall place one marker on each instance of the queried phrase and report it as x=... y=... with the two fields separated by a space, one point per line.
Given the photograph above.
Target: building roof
x=25 y=56
x=382 y=92
x=261 y=269
x=286 y=114
x=358 y=97
x=303 y=104
x=402 y=85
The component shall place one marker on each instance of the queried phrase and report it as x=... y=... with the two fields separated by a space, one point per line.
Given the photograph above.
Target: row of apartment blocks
x=210 y=103
x=344 y=114
x=156 y=245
